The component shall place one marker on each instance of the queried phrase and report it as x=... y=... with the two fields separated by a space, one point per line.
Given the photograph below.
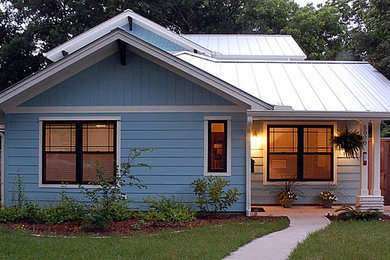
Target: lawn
x=204 y=242
x=347 y=240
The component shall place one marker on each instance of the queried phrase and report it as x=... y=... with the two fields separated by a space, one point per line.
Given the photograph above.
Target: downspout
x=249 y=124
x=2 y=140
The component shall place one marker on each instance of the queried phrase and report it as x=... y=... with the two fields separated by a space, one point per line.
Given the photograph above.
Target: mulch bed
x=384 y=218
x=132 y=226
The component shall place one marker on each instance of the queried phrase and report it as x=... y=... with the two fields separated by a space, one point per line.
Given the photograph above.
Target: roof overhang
x=317 y=115
x=118 y=21
x=107 y=45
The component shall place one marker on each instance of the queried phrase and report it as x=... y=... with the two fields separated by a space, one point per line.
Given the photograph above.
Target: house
x=206 y=104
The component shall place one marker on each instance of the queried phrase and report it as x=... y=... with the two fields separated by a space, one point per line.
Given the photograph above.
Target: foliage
x=18 y=198
x=354 y=213
x=329 y=194
x=349 y=141
x=211 y=195
x=168 y=209
x=107 y=199
x=288 y=193
x=204 y=242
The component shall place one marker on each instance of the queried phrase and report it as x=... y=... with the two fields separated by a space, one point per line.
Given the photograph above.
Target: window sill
x=300 y=183
x=221 y=174
x=68 y=186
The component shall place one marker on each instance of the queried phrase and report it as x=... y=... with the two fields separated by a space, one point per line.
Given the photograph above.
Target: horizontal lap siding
x=348 y=176
x=177 y=159
x=139 y=83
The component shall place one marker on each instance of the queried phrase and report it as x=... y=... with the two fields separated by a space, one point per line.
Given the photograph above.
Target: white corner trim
x=265 y=154
x=248 y=183
x=229 y=146
x=79 y=118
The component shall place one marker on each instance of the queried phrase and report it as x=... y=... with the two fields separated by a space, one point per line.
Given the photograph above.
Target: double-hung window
x=74 y=150
x=301 y=153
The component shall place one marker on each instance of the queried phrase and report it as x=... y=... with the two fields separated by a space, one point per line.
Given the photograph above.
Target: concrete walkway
x=279 y=245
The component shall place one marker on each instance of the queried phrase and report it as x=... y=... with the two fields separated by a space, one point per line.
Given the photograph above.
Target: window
x=217 y=146
x=73 y=150
x=302 y=153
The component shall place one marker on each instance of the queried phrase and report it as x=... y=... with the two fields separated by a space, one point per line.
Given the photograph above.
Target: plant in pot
x=328 y=196
x=351 y=142
x=288 y=193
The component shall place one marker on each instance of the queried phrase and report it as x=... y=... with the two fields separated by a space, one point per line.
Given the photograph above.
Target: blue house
x=249 y=108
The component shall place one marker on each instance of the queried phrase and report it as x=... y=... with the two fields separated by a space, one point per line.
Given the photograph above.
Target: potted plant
x=328 y=196
x=349 y=141
x=288 y=193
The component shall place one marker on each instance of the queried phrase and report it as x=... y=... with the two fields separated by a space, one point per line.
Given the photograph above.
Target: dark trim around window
x=78 y=149
x=210 y=148
x=300 y=152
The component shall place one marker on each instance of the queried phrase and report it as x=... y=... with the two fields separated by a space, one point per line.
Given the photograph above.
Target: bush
x=105 y=200
x=211 y=196
x=168 y=209
x=351 y=213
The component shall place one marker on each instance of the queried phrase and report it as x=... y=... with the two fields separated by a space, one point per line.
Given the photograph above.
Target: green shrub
x=169 y=210
x=211 y=195
x=105 y=199
x=352 y=213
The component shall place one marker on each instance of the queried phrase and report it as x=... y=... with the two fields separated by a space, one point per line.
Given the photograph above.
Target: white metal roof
x=304 y=85
x=250 y=46
x=119 y=20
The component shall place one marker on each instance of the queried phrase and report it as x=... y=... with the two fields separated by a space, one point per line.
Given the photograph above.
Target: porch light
x=256 y=141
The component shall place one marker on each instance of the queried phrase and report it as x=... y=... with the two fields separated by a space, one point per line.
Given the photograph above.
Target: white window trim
x=229 y=146
x=76 y=118
x=265 y=153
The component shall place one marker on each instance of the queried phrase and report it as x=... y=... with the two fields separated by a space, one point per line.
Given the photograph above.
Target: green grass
x=347 y=240
x=205 y=242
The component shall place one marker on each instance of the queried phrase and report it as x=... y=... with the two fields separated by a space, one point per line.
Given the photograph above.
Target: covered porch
x=284 y=146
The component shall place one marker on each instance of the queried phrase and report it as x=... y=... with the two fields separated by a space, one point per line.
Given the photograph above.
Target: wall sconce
x=255 y=141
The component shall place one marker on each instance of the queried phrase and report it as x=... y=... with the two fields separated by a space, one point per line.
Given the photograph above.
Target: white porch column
x=364 y=159
x=376 y=148
x=248 y=184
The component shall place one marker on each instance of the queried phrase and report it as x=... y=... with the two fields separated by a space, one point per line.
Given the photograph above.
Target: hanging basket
x=349 y=141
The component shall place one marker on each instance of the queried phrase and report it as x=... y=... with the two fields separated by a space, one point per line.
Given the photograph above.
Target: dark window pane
x=61 y=167
x=283 y=139
x=282 y=166
x=94 y=161
x=317 y=140
x=317 y=166
x=98 y=137
x=217 y=151
x=60 y=137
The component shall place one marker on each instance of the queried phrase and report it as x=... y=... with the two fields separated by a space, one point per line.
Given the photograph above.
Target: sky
x=304 y=2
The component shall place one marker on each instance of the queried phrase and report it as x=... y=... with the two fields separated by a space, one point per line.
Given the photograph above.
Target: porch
x=284 y=149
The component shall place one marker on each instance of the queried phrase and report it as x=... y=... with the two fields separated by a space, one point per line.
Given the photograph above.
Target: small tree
x=108 y=194
x=211 y=195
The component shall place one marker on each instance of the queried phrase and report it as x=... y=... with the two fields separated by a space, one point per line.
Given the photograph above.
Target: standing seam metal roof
x=304 y=85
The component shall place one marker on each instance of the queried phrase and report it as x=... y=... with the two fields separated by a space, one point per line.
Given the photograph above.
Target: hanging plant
x=349 y=141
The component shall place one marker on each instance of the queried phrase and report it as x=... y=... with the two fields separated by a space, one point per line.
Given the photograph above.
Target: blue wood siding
x=177 y=159
x=139 y=83
x=153 y=38
x=348 y=176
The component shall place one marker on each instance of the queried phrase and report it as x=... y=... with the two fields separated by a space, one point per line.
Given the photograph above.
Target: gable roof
x=107 y=45
x=117 y=21
x=250 y=46
x=322 y=86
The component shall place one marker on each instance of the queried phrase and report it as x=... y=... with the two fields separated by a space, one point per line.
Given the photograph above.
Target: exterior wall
x=139 y=83
x=177 y=159
x=153 y=38
x=348 y=175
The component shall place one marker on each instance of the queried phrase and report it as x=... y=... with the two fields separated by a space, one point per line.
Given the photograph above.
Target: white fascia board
x=118 y=21
x=318 y=115
x=135 y=44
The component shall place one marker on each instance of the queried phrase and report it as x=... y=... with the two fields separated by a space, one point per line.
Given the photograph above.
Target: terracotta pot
x=288 y=204
x=327 y=204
